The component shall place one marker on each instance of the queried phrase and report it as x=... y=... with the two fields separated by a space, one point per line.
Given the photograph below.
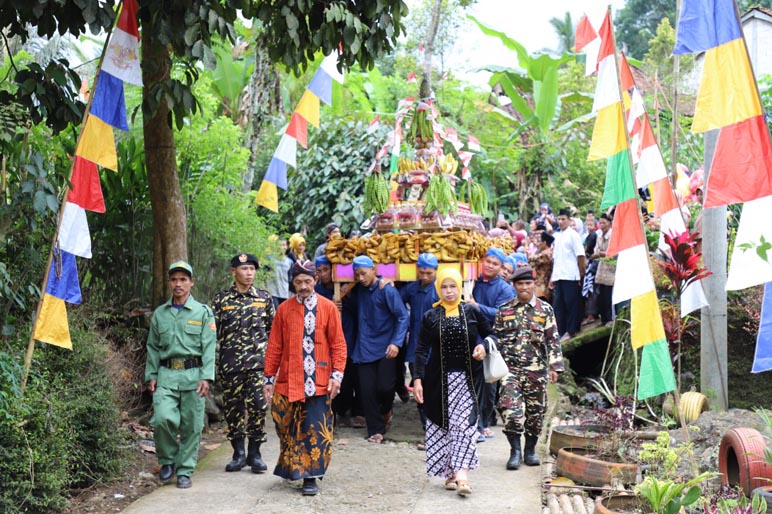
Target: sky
x=525 y=21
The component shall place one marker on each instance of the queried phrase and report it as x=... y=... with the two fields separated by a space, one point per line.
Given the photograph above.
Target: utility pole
x=713 y=334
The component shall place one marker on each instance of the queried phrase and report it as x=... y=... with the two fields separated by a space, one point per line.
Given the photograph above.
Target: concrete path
x=362 y=477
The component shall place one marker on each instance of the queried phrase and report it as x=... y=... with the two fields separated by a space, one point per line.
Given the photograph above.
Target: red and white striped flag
x=473 y=144
x=374 y=125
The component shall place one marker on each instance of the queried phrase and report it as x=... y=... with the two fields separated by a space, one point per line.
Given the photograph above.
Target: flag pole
x=674 y=136
x=44 y=285
x=640 y=220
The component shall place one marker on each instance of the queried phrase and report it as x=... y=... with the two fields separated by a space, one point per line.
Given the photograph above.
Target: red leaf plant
x=680 y=263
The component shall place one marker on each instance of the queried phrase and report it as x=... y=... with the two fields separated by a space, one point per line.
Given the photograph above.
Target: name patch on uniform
x=507 y=318
x=194 y=322
x=228 y=307
x=508 y=312
x=259 y=303
x=538 y=319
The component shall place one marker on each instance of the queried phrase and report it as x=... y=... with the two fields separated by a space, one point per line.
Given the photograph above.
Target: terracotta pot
x=741 y=459
x=620 y=504
x=564 y=436
x=581 y=466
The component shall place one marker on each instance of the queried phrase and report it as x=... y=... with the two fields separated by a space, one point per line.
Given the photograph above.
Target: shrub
x=64 y=432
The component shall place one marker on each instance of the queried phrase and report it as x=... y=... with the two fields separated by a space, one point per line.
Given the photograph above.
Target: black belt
x=182 y=363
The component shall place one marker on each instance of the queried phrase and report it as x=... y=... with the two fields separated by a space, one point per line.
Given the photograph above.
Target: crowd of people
x=317 y=358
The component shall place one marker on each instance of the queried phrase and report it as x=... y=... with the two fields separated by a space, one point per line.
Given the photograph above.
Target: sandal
x=450 y=483
x=376 y=438
x=488 y=433
x=463 y=487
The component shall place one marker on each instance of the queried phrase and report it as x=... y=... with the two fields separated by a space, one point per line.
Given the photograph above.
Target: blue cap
x=363 y=261
x=519 y=257
x=321 y=261
x=496 y=252
x=509 y=260
x=427 y=260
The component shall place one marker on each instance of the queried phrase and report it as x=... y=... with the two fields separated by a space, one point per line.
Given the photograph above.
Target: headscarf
x=363 y=261
x=295 y=241
x=497 y=253
x=322 y=260
x=451 y=309
x=427 y=260
x=303 y=267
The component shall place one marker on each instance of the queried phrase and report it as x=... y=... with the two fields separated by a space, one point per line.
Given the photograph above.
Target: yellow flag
x=608 y=136
x=646 y=320
x=727 y=92
x=51 y=326
x=268 y=196
x=97 y=143
x=308 y=107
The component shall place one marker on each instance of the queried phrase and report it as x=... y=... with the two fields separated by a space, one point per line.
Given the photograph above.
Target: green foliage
x=663 y=459
x=229 y=79
x=52 y=439
x=365 y=30
x=668 y=496
x=328 y=184
x=636 y=23
x=565 y=30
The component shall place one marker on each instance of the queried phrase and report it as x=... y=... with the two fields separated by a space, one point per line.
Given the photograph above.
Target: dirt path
x=362 y=477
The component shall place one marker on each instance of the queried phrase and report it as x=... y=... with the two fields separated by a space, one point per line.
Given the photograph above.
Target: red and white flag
x=412 y=78
x=473 y=144
x=374 y=125
x=122 y=55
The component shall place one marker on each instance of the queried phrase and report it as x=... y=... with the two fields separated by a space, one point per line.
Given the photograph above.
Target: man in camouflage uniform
x=244 y=317
x=529 y=343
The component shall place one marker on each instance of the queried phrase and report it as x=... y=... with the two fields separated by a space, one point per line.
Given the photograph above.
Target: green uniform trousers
x=177 y=412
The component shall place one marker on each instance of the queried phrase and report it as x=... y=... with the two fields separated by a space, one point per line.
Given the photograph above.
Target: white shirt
x=566 y=249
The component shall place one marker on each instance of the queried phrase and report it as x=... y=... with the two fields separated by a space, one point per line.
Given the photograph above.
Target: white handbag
x=494 y=366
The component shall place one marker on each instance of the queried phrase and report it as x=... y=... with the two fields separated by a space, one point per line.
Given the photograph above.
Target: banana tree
x=533 y=91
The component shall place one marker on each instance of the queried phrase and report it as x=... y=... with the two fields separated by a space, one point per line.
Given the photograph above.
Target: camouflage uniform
x=529 y=343
x=243 y=324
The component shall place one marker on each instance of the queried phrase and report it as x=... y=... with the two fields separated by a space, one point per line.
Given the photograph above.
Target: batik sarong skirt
x=448 y=451
x=305 y=431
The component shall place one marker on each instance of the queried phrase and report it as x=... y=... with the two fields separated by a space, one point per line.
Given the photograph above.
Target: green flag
x=619 y=181
x=656 y=375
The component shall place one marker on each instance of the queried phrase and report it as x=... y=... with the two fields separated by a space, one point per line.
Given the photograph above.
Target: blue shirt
x=420 y=299
x=382 y=320
x=348 y=315
x=489 y=294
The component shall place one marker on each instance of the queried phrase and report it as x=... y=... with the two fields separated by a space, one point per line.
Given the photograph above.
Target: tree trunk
x=263 y=101
x=169 y=220
x=431 y=34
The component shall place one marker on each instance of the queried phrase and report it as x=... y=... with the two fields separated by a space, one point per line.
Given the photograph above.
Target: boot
x=530 y=457
x=239 y=457
x=515 y=455
x=254 y=459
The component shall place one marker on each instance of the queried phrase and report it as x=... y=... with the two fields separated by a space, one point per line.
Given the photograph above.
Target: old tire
x=620 y=504
x=766 y=493
x=692 y=405
x=741 y=459
x=579 y=465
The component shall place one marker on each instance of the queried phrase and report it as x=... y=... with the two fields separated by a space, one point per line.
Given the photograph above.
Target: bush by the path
x=64 y=432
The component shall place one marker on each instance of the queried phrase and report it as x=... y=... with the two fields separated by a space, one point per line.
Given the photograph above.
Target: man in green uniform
x=529 y=343
x=244 y=317
x=179 y=370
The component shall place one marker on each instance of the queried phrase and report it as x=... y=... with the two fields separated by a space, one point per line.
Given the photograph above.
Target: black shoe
x=309 y=487
x=166 y=473
x=515 y=454
x=254 y=459
x=239 y=457
x=529 y=453
x=183 y=482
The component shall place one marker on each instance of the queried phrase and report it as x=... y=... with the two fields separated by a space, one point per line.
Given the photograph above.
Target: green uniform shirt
x=184 y=333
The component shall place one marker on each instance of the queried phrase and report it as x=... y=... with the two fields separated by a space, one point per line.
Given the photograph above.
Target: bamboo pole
x=44 y=285
x=640 y=220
